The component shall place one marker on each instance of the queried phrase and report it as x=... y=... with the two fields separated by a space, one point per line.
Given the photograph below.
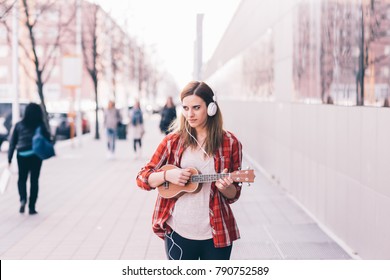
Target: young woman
x=197 y=225
x=28 y=162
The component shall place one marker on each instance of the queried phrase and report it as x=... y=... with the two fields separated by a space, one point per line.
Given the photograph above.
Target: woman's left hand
x=223 y=183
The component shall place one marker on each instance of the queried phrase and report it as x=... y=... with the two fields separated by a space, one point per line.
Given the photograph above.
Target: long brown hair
x=214 y=124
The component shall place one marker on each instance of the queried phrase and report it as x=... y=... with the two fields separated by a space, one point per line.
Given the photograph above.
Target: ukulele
x=169 y=190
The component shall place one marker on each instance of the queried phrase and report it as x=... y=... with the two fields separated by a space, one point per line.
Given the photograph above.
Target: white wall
x=334 y=160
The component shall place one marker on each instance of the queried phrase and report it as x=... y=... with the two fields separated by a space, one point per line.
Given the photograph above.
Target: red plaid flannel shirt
x=222 y=221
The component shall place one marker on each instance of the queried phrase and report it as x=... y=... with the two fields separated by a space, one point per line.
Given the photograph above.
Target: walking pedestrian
x=168 y=115
x=112 y=119
x=199 y=224
x=137 y=127
x=28 y=162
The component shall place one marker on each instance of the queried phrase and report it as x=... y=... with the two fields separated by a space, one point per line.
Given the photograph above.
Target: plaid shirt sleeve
x=163 y=207
x=158 y=159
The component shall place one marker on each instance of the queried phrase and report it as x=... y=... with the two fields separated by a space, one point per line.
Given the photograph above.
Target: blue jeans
x=111 y=135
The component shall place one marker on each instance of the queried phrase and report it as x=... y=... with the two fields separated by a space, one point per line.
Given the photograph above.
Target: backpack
x=42 y=147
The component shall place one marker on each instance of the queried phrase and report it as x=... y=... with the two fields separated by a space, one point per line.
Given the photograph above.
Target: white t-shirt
x=190 y=217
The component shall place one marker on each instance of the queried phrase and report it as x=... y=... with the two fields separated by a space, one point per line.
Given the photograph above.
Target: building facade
x=120 y=59
x=316 y=74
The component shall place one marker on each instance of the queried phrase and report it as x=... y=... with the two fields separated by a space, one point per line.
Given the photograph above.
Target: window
x=3 y=32
x=387 y=50
x=52 y=32
x=55 y=72
x=4 y=50
x=3 y=72
x=385 y=71
x=39 y=50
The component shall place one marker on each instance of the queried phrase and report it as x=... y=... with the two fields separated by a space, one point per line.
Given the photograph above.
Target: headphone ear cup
x=212 y=109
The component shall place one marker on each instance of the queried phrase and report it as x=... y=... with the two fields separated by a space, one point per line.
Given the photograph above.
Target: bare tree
x=5 y=7
x=91 y=55
x=34 y=18
x=117 y=57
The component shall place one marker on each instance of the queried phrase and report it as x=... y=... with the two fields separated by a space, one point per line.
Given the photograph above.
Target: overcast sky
x=170 y=26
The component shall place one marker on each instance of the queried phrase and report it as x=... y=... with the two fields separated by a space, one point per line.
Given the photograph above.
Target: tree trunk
x=95 y=83
x=361 y=72
x=40 y=85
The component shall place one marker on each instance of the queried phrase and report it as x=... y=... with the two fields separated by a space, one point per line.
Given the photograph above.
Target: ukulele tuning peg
x=249 y=184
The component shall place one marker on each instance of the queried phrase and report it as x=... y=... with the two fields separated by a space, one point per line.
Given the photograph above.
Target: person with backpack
x=29 y=163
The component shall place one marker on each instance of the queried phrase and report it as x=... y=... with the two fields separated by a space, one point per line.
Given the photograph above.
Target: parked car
x=61 y=122
x=6 y=119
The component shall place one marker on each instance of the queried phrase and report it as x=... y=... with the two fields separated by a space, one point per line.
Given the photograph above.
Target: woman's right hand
x=178 y=176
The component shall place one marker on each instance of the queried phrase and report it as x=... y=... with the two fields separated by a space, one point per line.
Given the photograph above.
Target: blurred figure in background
x=112 y=118
x=137 y=127
x=168 y=115
x=28 y=161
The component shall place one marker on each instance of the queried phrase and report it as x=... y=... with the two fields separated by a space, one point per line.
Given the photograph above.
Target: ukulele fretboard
x=204 y=178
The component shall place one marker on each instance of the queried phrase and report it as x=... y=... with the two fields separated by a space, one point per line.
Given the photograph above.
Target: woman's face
x=195 y=111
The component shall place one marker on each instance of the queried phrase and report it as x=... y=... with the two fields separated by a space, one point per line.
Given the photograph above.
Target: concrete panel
x=296 y=174
x=322 y=134
x=312 y=187
x=330 y=146
x=340 y=134
x=304 y=188
x=321 y=193
x=366 y=246
x=329 y=199
x=382 y=227
x=340 y=198
x=312 y=132
x=383 y=152
x=355 y=226
x=283 y=166
x=354 y=131
x=368 y=148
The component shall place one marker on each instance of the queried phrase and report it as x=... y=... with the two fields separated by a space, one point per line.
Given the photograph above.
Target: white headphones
x=212 y=107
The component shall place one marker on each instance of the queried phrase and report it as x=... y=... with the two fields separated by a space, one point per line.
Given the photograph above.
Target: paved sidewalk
x=90 y=208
